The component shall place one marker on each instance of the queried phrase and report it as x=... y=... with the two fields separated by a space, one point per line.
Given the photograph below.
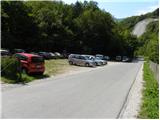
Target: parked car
x=18 y=51
x=99 y=56
x=106 y=58
x=58 y=55
x=4 y=52
x=118 y=58
x=97 y=60
x=82 y=60
x=31 y=63
x=52 y=55
x=34 y=53
x=102 y=57
x=45 y=55
x=126 y=59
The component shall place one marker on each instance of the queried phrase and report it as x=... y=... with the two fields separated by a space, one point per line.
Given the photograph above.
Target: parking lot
x=62 y=69
x=19 y=65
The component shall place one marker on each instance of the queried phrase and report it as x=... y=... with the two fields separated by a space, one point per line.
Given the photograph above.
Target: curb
x=128 y=96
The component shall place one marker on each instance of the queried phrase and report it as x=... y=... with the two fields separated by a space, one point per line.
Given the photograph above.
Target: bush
x=9 y=68
x=150 y=104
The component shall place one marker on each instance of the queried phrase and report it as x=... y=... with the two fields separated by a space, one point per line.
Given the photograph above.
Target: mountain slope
x=130 y=22
x=140 y=27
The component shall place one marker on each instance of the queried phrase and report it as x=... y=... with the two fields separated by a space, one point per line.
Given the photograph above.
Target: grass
x=150 y=104
x=52 y=67
x=56 y=66
x=25 y=78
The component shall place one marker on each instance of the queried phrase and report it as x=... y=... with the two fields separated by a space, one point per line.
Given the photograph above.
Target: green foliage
x=150 y=105
x=9 y=68
x=149 y=42
x=10 y=71
x=54 y=26
x=18 y=28
x=130 y=22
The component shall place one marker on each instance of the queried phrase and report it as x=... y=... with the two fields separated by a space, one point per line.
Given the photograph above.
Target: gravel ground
x=133 y=103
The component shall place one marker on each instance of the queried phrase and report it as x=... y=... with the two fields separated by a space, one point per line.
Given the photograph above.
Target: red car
x=31 y=63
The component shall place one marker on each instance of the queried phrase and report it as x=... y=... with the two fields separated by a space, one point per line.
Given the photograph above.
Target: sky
x=124 y=8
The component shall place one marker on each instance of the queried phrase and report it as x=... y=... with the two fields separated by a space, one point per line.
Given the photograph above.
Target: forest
x=77 y=28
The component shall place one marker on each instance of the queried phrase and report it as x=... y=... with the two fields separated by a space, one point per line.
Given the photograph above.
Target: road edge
x=123 y=111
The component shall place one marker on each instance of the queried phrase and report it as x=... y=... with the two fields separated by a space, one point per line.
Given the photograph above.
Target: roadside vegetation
x=147 y=44
x=150 y=104
x=9 y=69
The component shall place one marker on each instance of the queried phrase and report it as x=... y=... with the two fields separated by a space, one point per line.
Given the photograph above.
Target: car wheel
x=87 y=64
x=96 y=63
x=70 y=62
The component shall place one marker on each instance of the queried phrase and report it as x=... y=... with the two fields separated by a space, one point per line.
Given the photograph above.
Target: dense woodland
x=56 y=26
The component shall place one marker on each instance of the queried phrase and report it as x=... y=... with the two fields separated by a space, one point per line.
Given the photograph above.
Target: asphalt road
x=99 y=93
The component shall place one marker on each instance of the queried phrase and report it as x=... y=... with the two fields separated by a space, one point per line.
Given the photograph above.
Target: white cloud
x=144 y=11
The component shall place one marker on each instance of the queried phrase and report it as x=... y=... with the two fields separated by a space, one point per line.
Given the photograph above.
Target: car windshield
x=91 y=58
x=19 y=50
x=42 y=52
x=37 y=59
x=83 y=57
x=87 y=57
x=98 y=58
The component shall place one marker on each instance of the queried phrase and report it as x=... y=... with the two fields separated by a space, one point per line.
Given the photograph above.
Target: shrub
x=9 y=68
x=150 y=104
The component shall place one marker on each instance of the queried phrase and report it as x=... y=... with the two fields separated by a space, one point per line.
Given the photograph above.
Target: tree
x=17 y=26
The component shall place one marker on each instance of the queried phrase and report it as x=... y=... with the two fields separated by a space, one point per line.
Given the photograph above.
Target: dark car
x=126 y=59
x=45 y=55
x=34 y=53
x=5 y=52
x=118 y=58
x=18 y=51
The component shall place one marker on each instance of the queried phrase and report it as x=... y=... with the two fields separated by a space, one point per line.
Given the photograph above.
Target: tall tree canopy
x=54 y=26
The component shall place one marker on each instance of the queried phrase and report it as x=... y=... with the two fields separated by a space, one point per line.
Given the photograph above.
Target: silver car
x=82 y=60
x=98 y=61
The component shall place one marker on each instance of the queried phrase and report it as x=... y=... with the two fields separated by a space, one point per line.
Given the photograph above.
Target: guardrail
x=155 y=68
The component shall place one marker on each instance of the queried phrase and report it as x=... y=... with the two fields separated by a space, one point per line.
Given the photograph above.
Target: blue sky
x=124 y=8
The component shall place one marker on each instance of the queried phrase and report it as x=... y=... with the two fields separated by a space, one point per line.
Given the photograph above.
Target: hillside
x=130 y=22
x=141 y=26
x=149 y=42
x=146 y=28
